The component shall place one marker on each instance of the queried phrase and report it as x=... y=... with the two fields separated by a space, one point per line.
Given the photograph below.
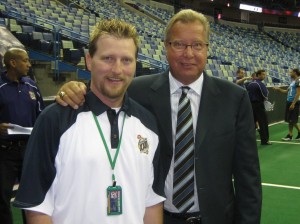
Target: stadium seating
x=38 y=42
x=230 y=46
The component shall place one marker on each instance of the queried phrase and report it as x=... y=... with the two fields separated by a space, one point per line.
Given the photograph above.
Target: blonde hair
x=187 y=16
x=114 y=27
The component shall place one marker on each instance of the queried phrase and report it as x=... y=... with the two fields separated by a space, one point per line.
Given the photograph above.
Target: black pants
x=260 y=116
x=171 y=220
x=168 y=219
x=11 y=160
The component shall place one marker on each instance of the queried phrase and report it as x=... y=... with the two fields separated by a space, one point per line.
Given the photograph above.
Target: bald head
x=11 y=54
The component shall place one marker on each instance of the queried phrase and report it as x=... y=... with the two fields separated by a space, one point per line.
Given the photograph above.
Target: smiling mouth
x=114 y=79
x=187 y=64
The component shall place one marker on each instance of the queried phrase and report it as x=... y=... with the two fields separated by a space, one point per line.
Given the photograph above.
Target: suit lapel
x=206 y=111
x=160 y=99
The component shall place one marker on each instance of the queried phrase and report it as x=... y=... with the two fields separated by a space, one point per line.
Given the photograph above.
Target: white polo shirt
x=67 y=171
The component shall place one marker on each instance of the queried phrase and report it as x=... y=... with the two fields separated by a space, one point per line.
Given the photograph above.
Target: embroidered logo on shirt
x=143 y=144
x=32 y=95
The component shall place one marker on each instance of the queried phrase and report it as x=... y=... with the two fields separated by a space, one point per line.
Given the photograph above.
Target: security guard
x=20 y=104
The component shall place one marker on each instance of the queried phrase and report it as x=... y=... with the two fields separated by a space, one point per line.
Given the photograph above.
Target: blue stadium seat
x=72 y=56
x=27 y=29
x=39 y=43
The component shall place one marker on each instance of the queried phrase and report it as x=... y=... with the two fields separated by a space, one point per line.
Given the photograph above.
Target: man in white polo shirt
x=100 y=163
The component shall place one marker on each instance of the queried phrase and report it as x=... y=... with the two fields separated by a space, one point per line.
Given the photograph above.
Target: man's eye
x=127 y=60
x=178 y=44
x=197 y=44
x=107 y=58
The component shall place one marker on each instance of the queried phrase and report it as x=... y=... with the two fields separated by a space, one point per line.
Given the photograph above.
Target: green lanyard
x=112 y=162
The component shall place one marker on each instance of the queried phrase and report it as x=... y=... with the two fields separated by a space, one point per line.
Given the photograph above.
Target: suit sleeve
x=246 y=170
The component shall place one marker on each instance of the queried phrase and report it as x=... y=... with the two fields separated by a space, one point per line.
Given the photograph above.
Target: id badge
x=114 y=200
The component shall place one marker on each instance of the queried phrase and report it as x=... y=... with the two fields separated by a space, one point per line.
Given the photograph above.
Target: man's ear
x=12 y=63
x=88 y=61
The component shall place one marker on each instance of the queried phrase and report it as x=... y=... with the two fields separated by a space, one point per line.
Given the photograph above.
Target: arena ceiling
x=269 y=4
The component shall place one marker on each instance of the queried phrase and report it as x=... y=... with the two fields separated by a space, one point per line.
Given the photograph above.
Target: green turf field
x=280 y=170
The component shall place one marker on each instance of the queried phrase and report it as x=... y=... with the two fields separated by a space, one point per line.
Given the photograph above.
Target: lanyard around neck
x=112 y=162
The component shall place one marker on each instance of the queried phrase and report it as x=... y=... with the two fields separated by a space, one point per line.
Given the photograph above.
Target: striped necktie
x=183 y=186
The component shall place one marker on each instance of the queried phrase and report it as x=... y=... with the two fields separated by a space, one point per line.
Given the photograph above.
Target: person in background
x=292 y=104
x=20 y=104
x=241 y=78
x=187 y=104
x=258 y=93
x=96 y=164
x=253 y=77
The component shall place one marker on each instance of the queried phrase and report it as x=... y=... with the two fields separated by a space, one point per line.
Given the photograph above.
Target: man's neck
x=12 y=76
x=110 y=102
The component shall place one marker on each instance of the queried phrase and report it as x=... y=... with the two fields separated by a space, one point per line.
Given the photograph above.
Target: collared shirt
x=20 y=102
x=71 y=182
x=194 y=95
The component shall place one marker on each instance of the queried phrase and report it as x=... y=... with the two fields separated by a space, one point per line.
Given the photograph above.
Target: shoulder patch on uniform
x=32 y=95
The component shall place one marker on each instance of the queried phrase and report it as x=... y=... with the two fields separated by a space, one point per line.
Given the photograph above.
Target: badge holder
x=114 y=200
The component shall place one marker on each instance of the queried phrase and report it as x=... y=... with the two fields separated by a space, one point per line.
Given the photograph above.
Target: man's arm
x=242 y=80
x=37 y=218
x=73 y=94
x=154 y=214
x=280 y=90
x=4 y=127
x=296 y=98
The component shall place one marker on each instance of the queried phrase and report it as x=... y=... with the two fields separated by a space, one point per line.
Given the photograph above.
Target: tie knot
x=185 y=90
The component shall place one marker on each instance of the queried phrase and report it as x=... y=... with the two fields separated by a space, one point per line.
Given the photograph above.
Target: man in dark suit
x=225 y=178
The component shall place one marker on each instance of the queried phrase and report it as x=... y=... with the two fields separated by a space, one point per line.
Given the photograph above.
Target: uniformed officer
x=20 y=104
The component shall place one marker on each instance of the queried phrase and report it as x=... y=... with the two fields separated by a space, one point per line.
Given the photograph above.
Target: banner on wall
x=7 y=40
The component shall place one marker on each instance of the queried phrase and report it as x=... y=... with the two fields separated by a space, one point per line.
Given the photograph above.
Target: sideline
x=280 y=186
x=279 y=122
x=283 y=142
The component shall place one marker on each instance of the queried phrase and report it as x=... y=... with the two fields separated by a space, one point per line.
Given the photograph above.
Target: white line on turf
x=282 y=142
x=280 y=186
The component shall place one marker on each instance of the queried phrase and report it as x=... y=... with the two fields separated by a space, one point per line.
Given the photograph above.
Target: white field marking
x=280 y=186
x=283 y=142
x=279 y=122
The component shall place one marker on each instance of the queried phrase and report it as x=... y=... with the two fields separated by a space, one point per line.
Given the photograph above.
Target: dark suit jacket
x=225 y=147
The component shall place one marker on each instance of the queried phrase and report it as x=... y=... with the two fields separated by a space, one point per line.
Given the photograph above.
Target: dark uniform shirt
x=258 y=92
x=20 y=103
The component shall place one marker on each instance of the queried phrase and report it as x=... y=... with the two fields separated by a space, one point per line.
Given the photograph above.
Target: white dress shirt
x=194 y=96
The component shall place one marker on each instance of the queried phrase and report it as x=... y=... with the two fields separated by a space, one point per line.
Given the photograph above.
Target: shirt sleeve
x=47 y=206
x=152 y=197
x=39 y=162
